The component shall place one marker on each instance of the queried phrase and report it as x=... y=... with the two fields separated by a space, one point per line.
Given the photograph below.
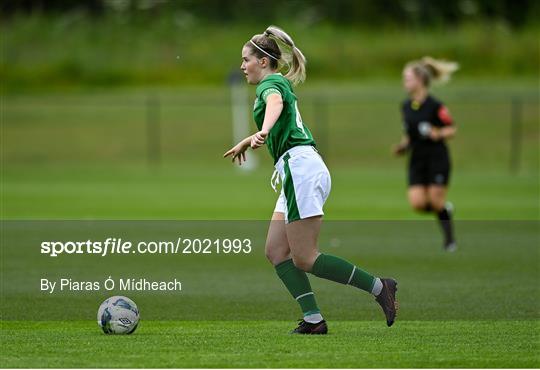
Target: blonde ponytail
x=433 y=70
x=440 y=70
x=296 y=60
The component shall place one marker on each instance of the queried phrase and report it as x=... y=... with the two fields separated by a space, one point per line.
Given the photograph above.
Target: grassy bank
x=72 y=50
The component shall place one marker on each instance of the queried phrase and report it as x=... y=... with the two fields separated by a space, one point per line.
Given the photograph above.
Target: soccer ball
x=118 y=315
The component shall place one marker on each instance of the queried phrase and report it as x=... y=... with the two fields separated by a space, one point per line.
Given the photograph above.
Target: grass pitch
x=221 y=192
x=261 y=344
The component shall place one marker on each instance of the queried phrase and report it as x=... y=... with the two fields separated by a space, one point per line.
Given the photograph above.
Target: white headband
x=261 y=49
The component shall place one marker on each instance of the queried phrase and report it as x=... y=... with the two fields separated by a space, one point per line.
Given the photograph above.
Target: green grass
x=222 y=192
x=84 y=154
x=355 y=125
x=262 y=344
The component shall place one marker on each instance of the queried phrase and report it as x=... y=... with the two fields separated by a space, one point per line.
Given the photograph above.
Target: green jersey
x=289 y=130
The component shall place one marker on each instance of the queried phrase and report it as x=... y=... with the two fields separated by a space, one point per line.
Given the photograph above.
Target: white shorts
x=306 y=183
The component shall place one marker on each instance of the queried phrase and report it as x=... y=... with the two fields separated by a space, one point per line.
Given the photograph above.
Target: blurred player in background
x=427 y=126
x=291 y=244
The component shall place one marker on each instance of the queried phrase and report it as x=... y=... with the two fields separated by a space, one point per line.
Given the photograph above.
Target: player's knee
x=419 y=205
x=274 y=255
x=301 y=263
x=304 y=263
x=437 y=204
x=271 y=256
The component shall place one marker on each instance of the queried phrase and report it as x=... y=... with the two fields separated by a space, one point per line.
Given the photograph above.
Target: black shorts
x=429 y=170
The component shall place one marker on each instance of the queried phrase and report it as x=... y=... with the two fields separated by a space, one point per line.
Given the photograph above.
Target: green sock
x=337 y=269
x=298 y=285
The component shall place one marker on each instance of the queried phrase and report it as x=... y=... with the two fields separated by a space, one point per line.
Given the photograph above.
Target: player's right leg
x=295 y=280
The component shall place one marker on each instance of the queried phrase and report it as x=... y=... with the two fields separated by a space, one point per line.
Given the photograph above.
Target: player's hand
x=435 y=134
x=400 y=149
x=258 y=139
x=238 y=152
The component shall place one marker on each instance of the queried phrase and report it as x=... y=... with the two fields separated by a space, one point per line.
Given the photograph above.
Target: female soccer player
x=291 y=244
x=427 y=126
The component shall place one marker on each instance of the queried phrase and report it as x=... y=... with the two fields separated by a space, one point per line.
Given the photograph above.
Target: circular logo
x=424 y=128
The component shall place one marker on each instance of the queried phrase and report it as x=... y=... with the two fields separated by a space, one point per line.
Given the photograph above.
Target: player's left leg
x=295 y=280
x=443 y=209
x=303 y=235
